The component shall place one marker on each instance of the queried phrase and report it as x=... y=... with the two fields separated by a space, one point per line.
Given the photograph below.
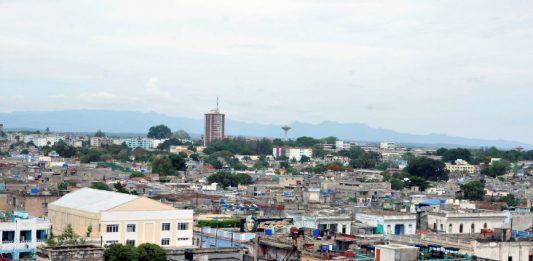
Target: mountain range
x=139 y=122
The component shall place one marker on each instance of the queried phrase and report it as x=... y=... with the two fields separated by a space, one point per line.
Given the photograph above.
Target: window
x=165 y=227
x=165 y=241
x=112 y=228
x=461 y=228
x=472 y=228
x=183 y=238
x=109 y=242
x=183 y=226
x=130 y=228
x=130 y=242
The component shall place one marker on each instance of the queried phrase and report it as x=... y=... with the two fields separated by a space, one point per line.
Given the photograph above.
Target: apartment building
x=122 y=218
x=292 y=153
x=461 y=166
x=21 y=234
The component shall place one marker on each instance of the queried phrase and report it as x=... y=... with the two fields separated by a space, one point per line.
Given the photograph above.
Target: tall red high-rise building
x=214 y=126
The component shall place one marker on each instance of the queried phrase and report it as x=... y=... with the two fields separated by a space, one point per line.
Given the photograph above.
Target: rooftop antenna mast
x=217 y=103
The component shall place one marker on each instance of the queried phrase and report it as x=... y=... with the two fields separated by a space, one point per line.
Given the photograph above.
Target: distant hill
x=140 y=122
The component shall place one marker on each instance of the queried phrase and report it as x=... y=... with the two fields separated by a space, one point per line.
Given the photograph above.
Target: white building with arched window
x=465 y=222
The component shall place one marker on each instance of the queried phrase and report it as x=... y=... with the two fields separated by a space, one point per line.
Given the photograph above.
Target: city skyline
x=414 y=67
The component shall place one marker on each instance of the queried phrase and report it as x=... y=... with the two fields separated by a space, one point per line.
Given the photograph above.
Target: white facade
x=386 y=145
x=342 y=145
x=22 y=236
x=341 y=224
x=391 y=224
x=465 y=222
x=156 y=142
x=143 y=143
x=171 y=228
x=292 y=153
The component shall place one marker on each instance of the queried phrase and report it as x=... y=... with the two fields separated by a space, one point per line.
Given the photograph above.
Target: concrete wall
x=396 y=253
x=522 y=220
x=74 y=253
x=79 y=220
x=519 y=251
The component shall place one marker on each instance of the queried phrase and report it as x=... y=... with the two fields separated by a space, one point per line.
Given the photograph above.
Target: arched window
x=472 y=228
x=441 y=227
x=461 y=228
x=450 y=227
x=485 y=225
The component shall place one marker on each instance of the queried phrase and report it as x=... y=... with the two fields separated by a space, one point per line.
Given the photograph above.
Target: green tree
x=427 y=168
x=64 y=150
x=151 y=252
x=474 y=190
x=163 y=166
x=330 y=140
x=99 y=134
x=89 y=231
x=159 y=132
x=441 y=151
x=510 y=200
x=181 y=135
x=261 y=163
x=65 y=185
x=170 y=142
x=118 y=252
x=137 y=174
x=100 y=185
x=306 y=141
x=119 y=188
x=420 y=182
x=497 y=168
x=454 y=154
x=226 y=179
x=397 y=184
x=304 y=159
x=178 y=161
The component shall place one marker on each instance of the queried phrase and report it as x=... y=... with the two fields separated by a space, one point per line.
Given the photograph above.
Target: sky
x=461 y=68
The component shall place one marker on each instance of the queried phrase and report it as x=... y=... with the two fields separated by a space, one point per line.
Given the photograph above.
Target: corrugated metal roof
x=93 y=200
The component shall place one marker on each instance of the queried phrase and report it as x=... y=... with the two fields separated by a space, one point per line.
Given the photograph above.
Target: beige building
x=122 y=218
x=461 y=166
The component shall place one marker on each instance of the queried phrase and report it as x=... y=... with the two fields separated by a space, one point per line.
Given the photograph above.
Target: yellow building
x=461 y=166
x=121 y=218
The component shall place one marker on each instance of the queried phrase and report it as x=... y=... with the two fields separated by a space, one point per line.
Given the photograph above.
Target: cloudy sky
x=456 y=67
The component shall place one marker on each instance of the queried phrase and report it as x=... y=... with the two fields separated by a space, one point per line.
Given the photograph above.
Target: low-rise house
x=465 y=221
x=389 y=222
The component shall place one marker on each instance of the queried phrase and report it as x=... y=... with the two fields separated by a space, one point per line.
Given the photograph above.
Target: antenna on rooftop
x=217 y=103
